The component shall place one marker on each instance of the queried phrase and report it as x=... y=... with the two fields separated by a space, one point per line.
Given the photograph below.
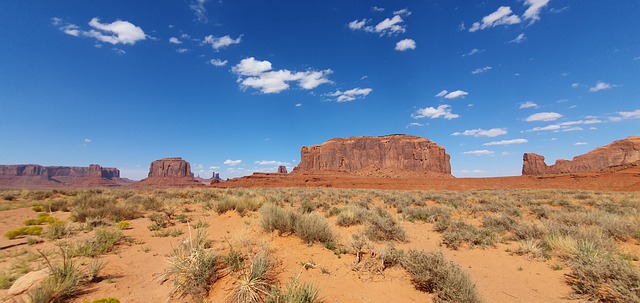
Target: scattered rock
x=28 y=282
x=393 y=155
x=621 y=152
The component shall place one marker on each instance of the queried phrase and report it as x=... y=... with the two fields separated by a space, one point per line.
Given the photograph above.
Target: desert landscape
x=361 y=219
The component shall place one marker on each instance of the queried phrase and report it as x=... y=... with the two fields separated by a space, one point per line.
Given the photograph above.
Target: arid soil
x=134 y=271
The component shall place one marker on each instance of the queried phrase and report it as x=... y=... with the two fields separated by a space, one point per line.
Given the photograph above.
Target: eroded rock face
x=383 y=155
x=170 y=172
x=282 y=169
x=170 y=168
x=621 y=152
x=48 y=172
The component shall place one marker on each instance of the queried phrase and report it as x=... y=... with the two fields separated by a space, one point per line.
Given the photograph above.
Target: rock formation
x=169 y=172
x=621 y=152
x=392 y=155
x=282 y=169
x=26 y=175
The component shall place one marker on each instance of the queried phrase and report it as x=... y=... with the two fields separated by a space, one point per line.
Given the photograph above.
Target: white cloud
x=258 y=74
x=456 y=94
x=494 y=132
x=519 y=39
x=575 y=85
x=389 y=26
x=404 y=12
x=357 y=24
x=473 y=52
x=218 y=62
x=271 y=162
x=69 y=29
x=214 y=167
x=600 y=86
x=298 y=104
x=377 y=9
x=571 y=129
x=528 y=104
x=182 y=50
x=533 y=11
x=580 y=143
x=405 y=44
x=547 y=116
x=443 y=93
x=117 y=32
x=199 y=10
x=565 y=126
x=442 y=111
x=482 y=152
x=174 y=40
x=87 y=140
x=221 y=42
x=502 y=16
x=626 y=115
x=506 y=142
x=251 y=67
x=118 y=51
x=351 y=94
x=415 y=124
x=481 y=70
x=232 y=162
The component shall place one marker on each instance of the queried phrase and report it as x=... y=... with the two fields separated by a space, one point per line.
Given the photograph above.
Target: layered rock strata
x=621 y=152
x=392 y=155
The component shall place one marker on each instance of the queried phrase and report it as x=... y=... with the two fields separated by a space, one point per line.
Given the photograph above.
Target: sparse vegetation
x=24 y=231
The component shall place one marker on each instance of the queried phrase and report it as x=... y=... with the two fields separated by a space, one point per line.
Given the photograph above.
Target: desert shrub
x=431 y=272
x=57 y=230
x=41 y=219
x=426 y=214
x=533 y=248
x=294 y=293
x=94 y=269
x=58 y=205
x=200 y=224
x=233 y=259
x=498 y=223
x=193 y=267
x=36 y=208
x=391 y=256
x=313 y=228
x=308 y=206
x=182 y=218
x=6 y=279
x=254 y=283
x=525 y=231
x=604 y=278
x=24 y=231
x=63 y=281
x=460 y=232
x=122 y=225
x=351 y=215
x=277 y=218
x=106 y=300
x=104 y=241
x=381 y=226
x=38 y=195
x=241 y=204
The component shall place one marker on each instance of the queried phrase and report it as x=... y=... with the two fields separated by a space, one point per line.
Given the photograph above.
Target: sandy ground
x=133 y=274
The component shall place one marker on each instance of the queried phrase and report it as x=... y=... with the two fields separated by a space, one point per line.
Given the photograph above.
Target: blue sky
x=239 y=86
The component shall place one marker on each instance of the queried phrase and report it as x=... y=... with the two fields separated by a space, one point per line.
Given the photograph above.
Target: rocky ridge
x=618 y=153
x=392 y=155
x=169 y=172
x=37 y=175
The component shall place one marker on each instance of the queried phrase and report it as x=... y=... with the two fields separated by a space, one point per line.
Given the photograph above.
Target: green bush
x=431 y=272
x=24 y=231
x=122 y=225
x=41 y=219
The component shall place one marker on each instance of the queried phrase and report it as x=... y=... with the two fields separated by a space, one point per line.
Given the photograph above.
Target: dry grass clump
x=426 y=214
x=295 y=292
x=431 y=272
x=241 y=204
x=458 y=233
x=309 y=227
x=352 y=215
x=193 y=267
x=255 y=282
x=381 y=226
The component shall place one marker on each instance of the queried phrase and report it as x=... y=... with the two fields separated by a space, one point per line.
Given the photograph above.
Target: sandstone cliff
x=392 y=155
x=169 y=172
x=282 y=169
x=621 y=152
x=27 y=175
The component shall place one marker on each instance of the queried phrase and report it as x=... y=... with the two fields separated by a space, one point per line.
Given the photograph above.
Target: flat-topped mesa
x=170 y=172
x=51 y=172
x=392 y=155
x=170 y=167
x=621 y=152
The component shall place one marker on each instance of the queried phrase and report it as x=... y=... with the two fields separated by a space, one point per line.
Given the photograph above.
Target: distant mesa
x=618 y=153
x=28 y=175
x=169 y=172
x=392 y=155
x=282 y=169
